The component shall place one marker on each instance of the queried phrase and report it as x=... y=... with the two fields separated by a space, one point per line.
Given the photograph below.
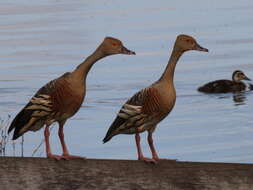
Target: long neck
x=82 y=70
x=168 y=74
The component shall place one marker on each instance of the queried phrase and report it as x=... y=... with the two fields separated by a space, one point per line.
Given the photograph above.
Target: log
x=41 y=173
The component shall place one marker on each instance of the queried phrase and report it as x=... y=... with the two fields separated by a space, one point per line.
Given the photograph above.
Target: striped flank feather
x=135 y=114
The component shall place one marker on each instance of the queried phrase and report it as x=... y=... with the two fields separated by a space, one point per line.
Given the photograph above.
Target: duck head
x=185 y=43
x=237 y=76
x=111 y=46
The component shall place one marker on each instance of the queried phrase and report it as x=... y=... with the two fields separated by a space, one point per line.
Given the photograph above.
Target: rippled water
x=40 y=40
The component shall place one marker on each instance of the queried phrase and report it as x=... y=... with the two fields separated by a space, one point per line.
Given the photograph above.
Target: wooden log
x=41 y=173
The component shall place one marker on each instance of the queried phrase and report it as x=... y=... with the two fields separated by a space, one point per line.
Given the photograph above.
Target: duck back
x=222 y=86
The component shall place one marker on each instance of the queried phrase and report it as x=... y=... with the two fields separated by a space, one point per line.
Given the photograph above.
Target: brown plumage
x=148 y=107
x=61 y=98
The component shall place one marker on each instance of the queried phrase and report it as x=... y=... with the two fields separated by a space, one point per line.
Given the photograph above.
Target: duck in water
x=224 y=86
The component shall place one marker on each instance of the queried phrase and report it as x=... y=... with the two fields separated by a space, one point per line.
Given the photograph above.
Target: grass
x=8 y=147
x=5 y=140
x=4 y=135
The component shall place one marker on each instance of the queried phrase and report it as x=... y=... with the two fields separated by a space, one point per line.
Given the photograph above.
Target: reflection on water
x=239 y=99
x=36 y=48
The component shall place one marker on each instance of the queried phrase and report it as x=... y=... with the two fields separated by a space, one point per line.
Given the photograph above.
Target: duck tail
x=19 y=122
x=107 y=137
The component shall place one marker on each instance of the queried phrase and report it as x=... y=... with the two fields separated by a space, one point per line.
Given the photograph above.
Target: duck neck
x=82 y=70
x=168 y=74
x=235 y=79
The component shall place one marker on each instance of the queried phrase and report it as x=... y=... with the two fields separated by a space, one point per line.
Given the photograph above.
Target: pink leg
x=65 y=154
x=152 y=148
x=139 y=151
x=48 y=148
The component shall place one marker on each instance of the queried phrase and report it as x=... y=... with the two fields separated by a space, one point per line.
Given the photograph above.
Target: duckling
x=144 y=110
x=224 y=86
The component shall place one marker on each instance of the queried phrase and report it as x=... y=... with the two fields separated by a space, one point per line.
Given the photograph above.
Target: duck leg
x=139 y=151
x=65 y=154
x=152 y=148
x=48 y=148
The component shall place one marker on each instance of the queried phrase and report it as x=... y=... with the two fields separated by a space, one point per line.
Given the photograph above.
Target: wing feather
x=39 y=109
x=135 y=113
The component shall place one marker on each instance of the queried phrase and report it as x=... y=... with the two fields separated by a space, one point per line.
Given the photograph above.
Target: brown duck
x=148 y=107
x=61 y=98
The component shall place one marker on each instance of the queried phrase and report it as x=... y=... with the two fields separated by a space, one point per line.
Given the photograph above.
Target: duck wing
x=218 y=86
x=41 y=107
x=135 y=113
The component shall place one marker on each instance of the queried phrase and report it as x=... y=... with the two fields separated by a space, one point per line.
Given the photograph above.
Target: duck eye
x=114 y=44
x=187 y=40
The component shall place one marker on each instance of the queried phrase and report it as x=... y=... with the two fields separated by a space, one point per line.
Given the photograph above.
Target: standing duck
x=143 y=111
x=224 y=86
x=61 y=98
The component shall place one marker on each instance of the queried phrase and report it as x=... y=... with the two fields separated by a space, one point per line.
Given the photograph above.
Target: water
x=40 y=40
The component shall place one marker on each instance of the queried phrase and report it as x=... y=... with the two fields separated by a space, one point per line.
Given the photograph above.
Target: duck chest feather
x=68 y=98
x=158 y=101
x=166 y=97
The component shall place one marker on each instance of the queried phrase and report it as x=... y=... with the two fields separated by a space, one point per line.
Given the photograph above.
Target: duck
x=225 y=86
x=61 y=98
x=148 y=107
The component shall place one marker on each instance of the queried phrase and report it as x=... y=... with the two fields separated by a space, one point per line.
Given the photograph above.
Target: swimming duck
x=224 y=86
x=144 y=110
x=61 y=98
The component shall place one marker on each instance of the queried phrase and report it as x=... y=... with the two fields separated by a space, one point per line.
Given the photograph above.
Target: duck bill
x=126 y=51
x=199 y=48
x=246 y=78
